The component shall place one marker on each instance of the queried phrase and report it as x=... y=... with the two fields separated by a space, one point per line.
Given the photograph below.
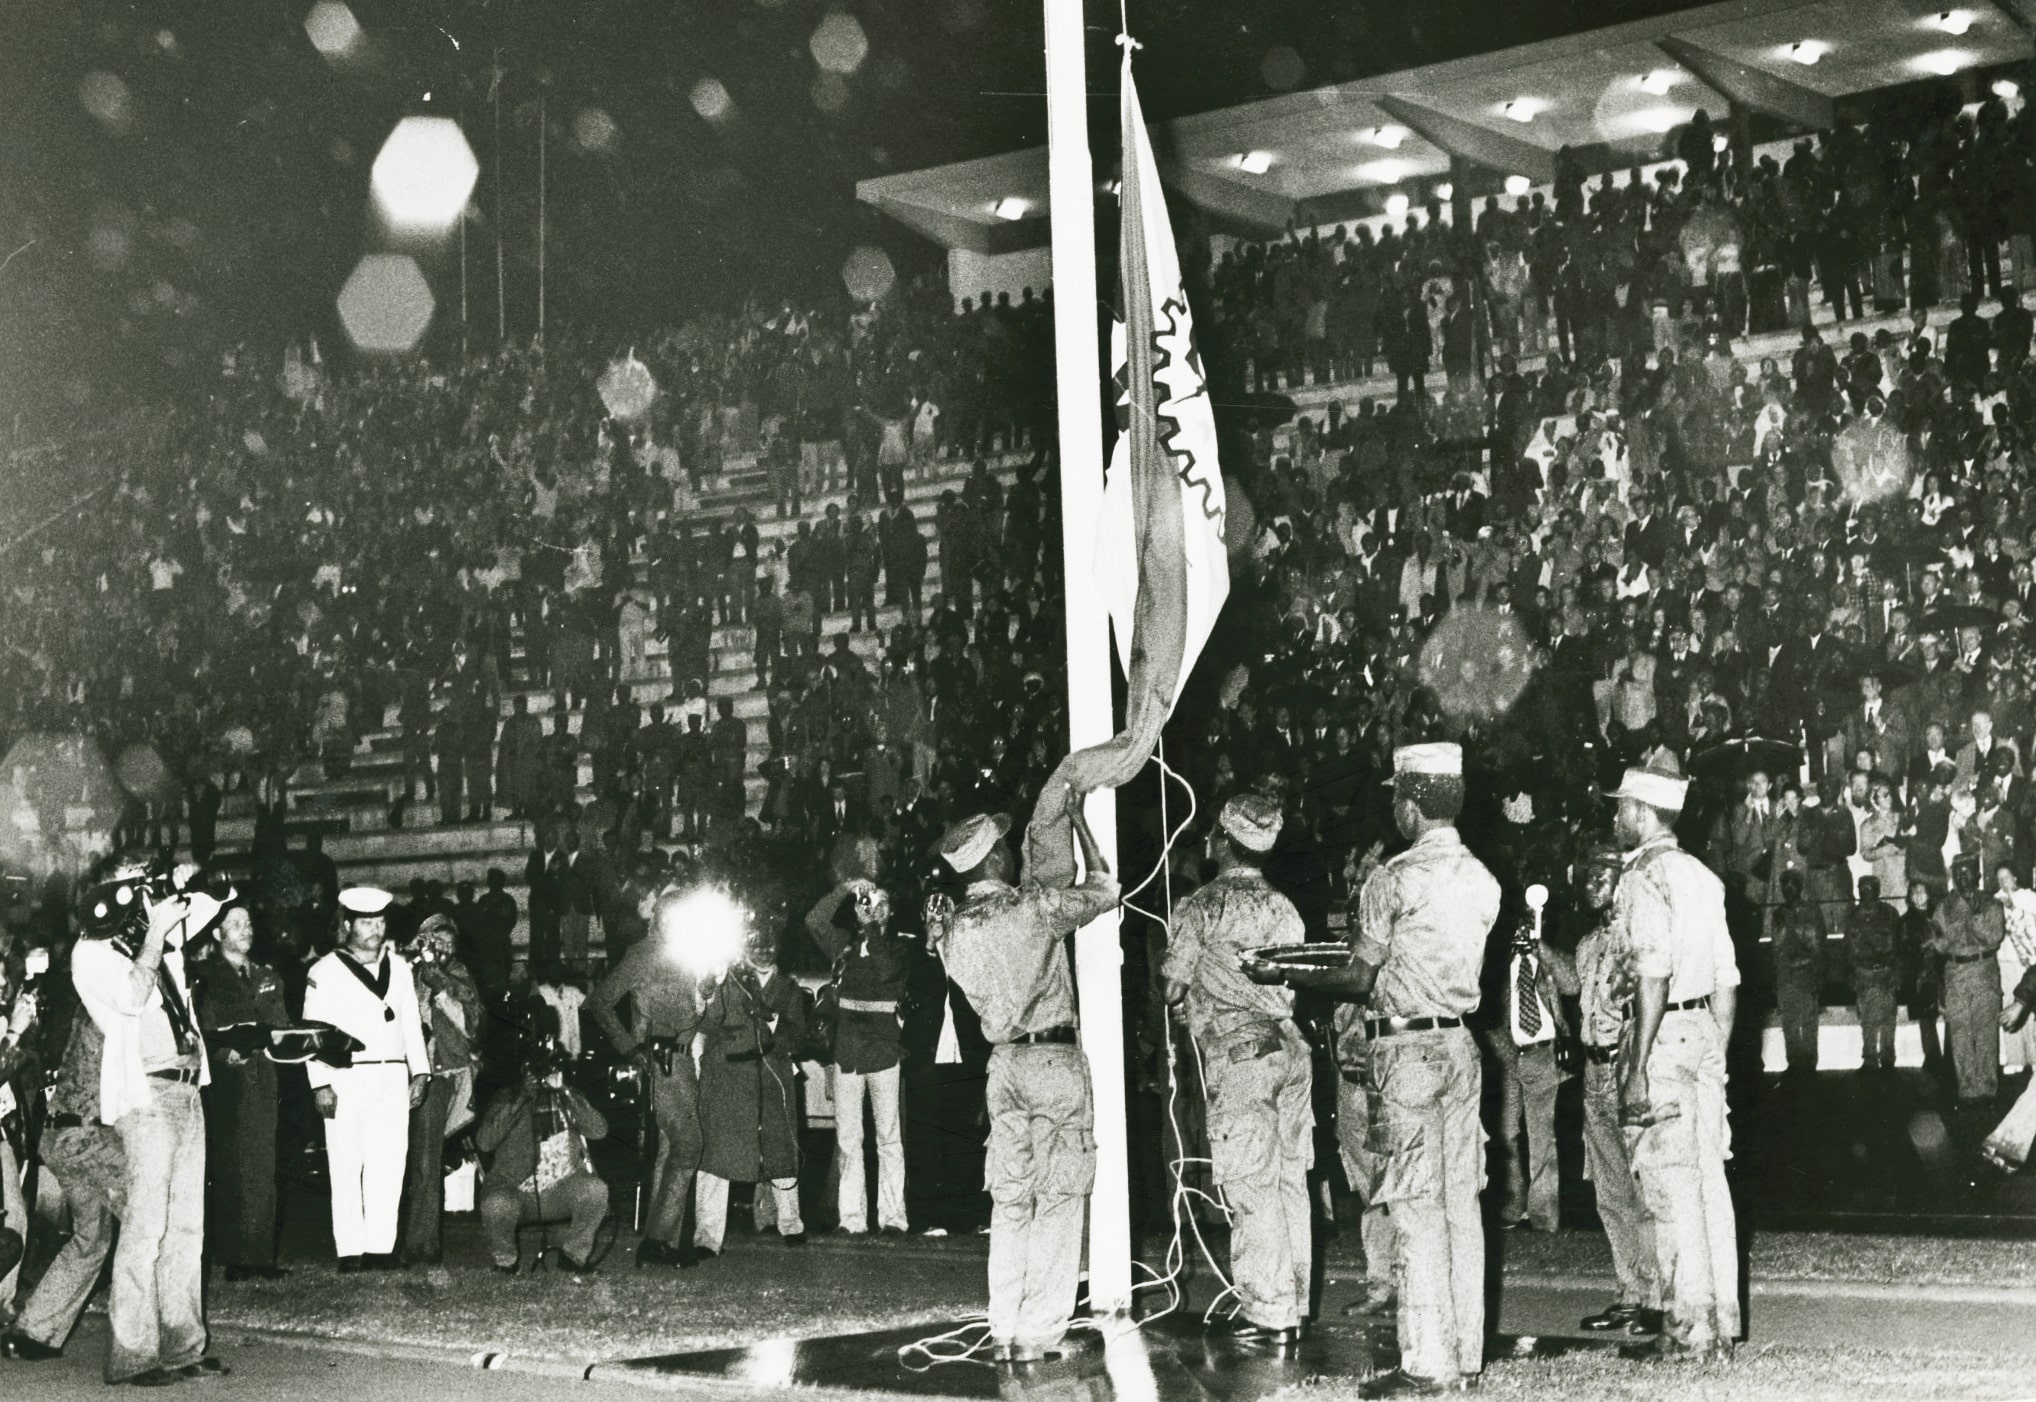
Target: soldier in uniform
x=366 y=990
x=231 y=989
x=1670 y=913
x=1600 y=976
x=1417 y=951
x=1005 y=947
x=1967 y=930
x=1258 y=1074
x=1873 y=934
x=664 y=1017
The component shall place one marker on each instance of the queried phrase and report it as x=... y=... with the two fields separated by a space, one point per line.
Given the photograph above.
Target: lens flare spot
x=424 y=174
x=106 y=98
x=868 y=274
x=386 y=304
x=838 y=44
x=710 y=99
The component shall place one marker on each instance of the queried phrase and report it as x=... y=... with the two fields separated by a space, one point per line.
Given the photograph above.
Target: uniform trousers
x=1261 y=1137
x=1875 y=990
x=1629 y=1229
x=14 y=1213
x=1680 y=1161
x=1972 y=1025
x=1800 y=1013
x=776 y=1205
x=1365 y=1167
x=366 y=1142
x=157 y=1307
x=1527 y=1120
x=240 y=1133
x=1426 y=1087
x=91 y=1168
x=424 y=1169
x=849 y=1090
x=1039 y=1167
x=675 y=1106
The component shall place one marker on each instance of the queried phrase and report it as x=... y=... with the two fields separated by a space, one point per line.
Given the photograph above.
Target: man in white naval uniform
x=367 y=991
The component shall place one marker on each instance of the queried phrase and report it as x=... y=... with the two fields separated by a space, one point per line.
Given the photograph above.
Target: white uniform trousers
x=777 y=1200
x=366 y=1142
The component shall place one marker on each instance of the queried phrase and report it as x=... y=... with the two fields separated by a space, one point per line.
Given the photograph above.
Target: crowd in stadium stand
x=1675 y=545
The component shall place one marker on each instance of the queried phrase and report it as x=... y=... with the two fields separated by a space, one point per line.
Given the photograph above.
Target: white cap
x=1660 y=785
x=1436 y=760
x=365 y=900
x=970 y=840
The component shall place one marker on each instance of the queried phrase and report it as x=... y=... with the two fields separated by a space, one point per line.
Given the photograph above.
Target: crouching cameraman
x=534 y=1140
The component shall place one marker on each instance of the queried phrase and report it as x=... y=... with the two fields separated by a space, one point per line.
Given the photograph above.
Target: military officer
x=232 y=989
x=1417 y=949
x=1600 y=976
x=366 y=990
x=1967 y=929
x=1670 y=913
x=1257 y=1073
x=664 y=1017
x=1873 y=934
x=1005 y=947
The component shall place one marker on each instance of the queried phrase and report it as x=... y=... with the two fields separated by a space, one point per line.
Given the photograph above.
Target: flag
x=1160 y=562
x=1160 y=566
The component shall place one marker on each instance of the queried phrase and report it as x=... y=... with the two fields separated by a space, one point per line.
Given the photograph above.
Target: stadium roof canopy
x=1335 y=153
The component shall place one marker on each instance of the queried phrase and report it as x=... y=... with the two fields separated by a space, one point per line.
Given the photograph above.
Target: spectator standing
x=450 y=1002
x=754 y=1021
x=230 y=989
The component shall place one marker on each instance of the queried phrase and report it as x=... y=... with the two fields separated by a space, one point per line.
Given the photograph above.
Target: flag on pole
x=1160 y=562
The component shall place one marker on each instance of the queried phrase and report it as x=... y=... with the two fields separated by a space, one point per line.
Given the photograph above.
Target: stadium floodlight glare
x=1658 y=82
x=1523 y=109
x=386 y=304
x=1517 y=185
x=1384 y=172
x=424 y=174
x=705 y=930
x=333 y=30
x=1389 y=137
x=1720 y=143
x=1659 y=119
x=1445 y=192
x=1942 y=62
x=1954 y=21
x=1807 y=51
x=1396 y=205
x=1012 y=209
x=2007 y=89
x=1255 y=162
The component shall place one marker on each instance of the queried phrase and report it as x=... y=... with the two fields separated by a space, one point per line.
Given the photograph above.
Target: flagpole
x=1099 y=959
x=501 y=281
x=541 y=143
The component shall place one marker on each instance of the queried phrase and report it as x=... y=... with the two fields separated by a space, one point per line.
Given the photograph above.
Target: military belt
x=1599 y=1056
x=1394 y=1026
x=867 y=1005
x=1052 y=1036
x=182 y=1075
x=1689 y=1005
x=1966 y=958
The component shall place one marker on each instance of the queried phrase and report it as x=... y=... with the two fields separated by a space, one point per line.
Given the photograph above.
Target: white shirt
x=1546 y=1031
x=388 y=1027
x=104 y=978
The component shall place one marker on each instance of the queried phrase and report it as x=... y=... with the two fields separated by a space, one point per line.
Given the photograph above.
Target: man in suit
x=1742 y=852
x=1875 y=725
x=1464 y=510
x=541 y=877
x=578 y=890
x=1976 y=754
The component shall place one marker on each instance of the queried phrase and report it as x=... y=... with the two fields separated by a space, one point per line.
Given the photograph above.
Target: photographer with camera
x=235 y=992
x=128 y=967
x=534 y=1136
x=450 y=1002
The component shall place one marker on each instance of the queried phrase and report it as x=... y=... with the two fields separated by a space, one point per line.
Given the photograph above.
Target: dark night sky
x=232 y=201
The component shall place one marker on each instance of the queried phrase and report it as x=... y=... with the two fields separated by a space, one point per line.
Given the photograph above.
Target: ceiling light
x=1388 y=137
x=1517 y=185
x=1445 y=192
x=1011 y=208
x=1255 y=162
x=1521 y=109
x=1720 y=142
x=1954 y=21
x=2006 y=89
x=1659 y=119
x=1384 y=172
x=1396 y=205
x=1658 y=82
x=1942 y=62
x=1808 y=51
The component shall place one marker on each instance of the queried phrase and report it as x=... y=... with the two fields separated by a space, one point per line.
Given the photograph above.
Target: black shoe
x=154 y=1377
x=1243 y=1333
x=650 y=1252
x=567 y=1264
x=205 y=1368
x=23 y=1349
x=1401 y=1383
x=795 y=1238
x=272 y=1272
x=384 y=1261
x=1664 y=1349
x=704 y=1253
x=1624 y=1319
x=351 y=1265
x=895 y=1231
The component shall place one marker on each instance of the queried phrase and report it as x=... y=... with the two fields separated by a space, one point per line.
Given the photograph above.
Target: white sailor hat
x=970 y=840
x=1438 y=760
x=1660 y=785
x=364 y=900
